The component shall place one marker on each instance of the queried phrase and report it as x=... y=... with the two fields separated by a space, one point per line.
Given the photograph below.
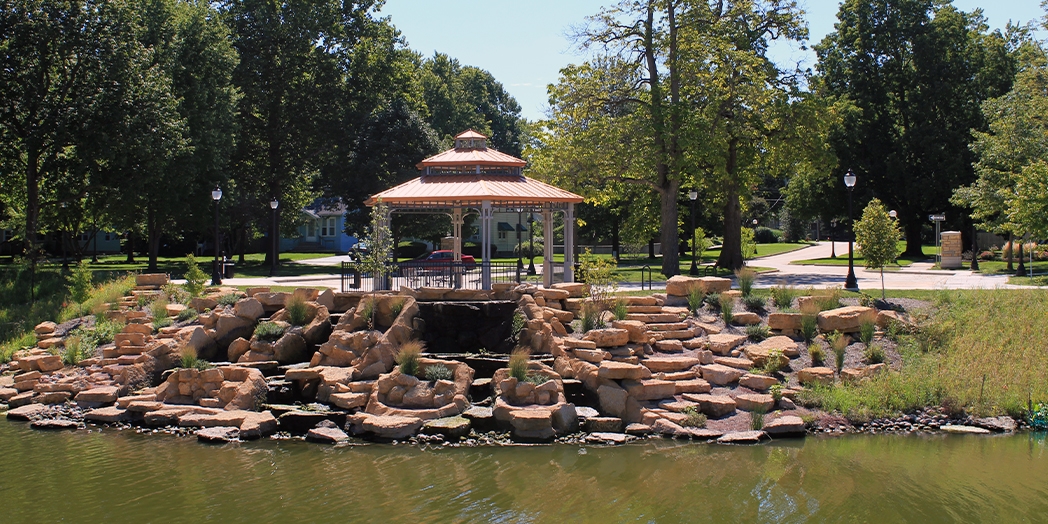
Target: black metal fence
x=440 y=274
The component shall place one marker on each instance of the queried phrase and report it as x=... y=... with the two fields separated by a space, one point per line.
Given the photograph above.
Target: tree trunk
x=670 y=235
x=615 y=247
x=130 y=247
x=241 y=244
x=32 y=208
x=1011 y=250
x=154 y=237
x=731 y=248
x=651 y=248
x=914 y=247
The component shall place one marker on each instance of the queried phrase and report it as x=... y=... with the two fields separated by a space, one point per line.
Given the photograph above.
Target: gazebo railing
x=440 y=274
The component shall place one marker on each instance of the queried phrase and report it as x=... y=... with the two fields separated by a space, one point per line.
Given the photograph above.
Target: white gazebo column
x=547 y=246
x=456 y=231
x=485 y=243
x=569 y=243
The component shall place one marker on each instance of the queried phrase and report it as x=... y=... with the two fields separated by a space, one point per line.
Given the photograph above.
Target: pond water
x=114 y=476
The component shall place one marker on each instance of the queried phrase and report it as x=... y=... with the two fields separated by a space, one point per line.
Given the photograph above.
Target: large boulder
x=720 y=375
x=815 y=375
x=291 y=349
x=681 y=286
x=846 y=319
x=609 y=337
x=249 y=308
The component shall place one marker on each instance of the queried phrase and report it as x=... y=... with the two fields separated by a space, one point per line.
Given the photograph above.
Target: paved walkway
x=918 y=276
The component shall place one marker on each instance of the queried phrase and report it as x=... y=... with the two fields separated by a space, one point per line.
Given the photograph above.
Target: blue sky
x=524 y=43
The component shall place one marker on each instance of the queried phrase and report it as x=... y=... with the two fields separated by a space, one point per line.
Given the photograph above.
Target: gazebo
x=471 y=177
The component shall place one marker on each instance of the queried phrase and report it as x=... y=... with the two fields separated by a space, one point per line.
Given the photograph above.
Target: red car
x=437 y=261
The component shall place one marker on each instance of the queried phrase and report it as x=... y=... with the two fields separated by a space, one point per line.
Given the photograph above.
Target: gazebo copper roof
x=471 y=173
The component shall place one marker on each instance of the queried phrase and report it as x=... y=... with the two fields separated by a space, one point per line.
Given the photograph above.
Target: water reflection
x=121 y=476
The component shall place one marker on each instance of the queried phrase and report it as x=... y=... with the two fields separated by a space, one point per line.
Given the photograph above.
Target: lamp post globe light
x=693 y=196
x=275 y=252
x=216 y=273
x=850 y=283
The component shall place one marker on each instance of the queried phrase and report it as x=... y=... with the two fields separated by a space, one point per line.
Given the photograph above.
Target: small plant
x=186 y=314
x=894 y=330
x=189 y=360
x=757 y=332
x=754 y=303
x=818 y=355
x=809 y=322
x=866 y=331
x=696 y=297
x=518 y=365
x=297 y=310
x=874 y=354
x=518 y=323
x=396 y=306
x=367 y=310
x=176 y=294
x=839 y=343
x=782 y=296
x=536 y=378
x=727 y=304
x=162 y=322
x=229 y=299
x=269 y=331
x=195 y=277
x=621 y=310
x=408 y=356
x=438 y=372
x=106 y=330
x=866 y=300
x=592 y=317
x=158 y=307
x=76 y=349
x=80 y=285
x=776 y=392
x=828 y=299
x=142 y=300
x=1037 y=417
x=775 y=363
x=695 y=419
x=746 y=276
x=713 y=300
x=757 y=418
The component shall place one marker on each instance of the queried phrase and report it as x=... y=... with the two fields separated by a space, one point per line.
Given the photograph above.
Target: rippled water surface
x=116 y=476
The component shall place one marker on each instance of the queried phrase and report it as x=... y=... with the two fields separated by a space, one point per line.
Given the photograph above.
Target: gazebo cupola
x=471 y=155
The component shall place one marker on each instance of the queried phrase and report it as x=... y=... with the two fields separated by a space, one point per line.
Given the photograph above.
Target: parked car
x=437 y=261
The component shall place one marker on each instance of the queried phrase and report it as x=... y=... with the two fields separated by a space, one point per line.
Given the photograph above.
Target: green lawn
x=254 y=265
x=998 y=267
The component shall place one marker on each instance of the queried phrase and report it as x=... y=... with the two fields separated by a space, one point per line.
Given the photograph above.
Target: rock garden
x=702 y=361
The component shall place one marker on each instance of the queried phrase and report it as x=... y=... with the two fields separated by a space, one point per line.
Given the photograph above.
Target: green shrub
x=268 y=331
x=695 y=419
x=746 y=276
x=162 y=322
x=874 y=354
x=754 y=303
x=817 y=354
x=518 y=365
x=757 y=332
x=8 y=349
x=189 y=360
x=782 y=296
x=229 y=299
x=77 y=349
x=592 y=317
x=695 y=299
x=838 y=343
x=757 y=418
x=438 y=372
x=866 y=331
x=176 y=294
x=105 y=330
x=866 y=300
x=620 y=309
x=367 y=308
x=827 y=299
x=727 y=305
x=408 y=356
x=809 y=322
x=298 y=311
x=518 y=323
x=187 y=314
x=776 y=392
x=396 y=306
x=195 y=277
x=80 y=284
x=158 y=307
x=536 y=378
x=775 y=362
x=713 y=300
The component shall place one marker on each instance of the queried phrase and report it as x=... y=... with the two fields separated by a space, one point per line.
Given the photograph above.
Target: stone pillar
x=547 y=246
x=569 y=243
x=951 y=249
x=486 y=214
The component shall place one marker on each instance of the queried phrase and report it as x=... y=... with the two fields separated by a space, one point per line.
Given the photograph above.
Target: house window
x=84 y=237
x=502 y=235
x=109 y=236
x=6 y=235
x=311 y=229
x=328 y=229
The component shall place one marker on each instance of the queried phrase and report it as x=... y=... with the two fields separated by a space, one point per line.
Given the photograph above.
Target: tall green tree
x=917 y=72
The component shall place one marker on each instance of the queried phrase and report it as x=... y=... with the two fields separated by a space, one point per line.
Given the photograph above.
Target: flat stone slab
x=608 y=438
x=956 y=429
x=53 y=423
x=392 y=427
x=996 y=424
x=326 y=435
x=743 y=437
x=586 y=412
x=26 y=412
x=637 y=429
x=219 y=434
x=452 y=428
x=669 y=364
x=787 y=426
x=106 y=415
x=602 y=424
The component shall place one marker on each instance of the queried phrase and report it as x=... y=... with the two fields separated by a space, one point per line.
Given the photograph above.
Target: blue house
x=323 y=229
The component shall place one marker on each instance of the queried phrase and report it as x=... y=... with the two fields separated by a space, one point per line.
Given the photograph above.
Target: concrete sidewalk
x=918 y=276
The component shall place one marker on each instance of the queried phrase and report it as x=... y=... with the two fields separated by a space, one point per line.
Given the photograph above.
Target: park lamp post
x=693 y=196
x=216 y=270
x=275 y=252
x=850 y=283
x=755 y=238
